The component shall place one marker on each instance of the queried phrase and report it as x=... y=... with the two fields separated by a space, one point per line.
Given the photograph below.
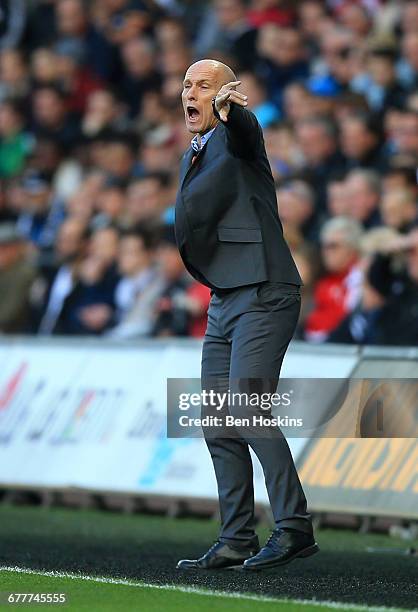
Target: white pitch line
x=185 y=589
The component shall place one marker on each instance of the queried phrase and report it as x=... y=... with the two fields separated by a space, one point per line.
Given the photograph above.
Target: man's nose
x=191 y=94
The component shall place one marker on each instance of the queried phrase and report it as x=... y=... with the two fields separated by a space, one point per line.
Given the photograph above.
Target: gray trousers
x=249 y=329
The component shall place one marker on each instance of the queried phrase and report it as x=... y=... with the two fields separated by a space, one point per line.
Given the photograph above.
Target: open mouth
x=192 y=113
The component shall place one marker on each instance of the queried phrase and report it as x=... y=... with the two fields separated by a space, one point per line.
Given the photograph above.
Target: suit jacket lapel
x=187 y=165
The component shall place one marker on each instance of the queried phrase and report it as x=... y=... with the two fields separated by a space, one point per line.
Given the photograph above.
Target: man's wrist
x=216 y=112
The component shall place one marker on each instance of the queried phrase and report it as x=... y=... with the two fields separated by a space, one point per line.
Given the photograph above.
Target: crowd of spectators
x=92 y=133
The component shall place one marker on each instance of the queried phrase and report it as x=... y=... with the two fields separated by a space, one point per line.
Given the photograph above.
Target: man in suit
x=230 y=238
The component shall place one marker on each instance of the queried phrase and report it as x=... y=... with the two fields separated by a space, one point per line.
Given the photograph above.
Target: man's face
x=133 y=257
x=397 y=208
x=69 y=243
x=201 y=84
x=337 y=201
x=315 y=144
x=144 y=198
x=37 y=201
x=49 y=109
x=407 y=134
x=229 y=12
x=337 y=254
x=71 y=20
x=104 y=245
x=356 y=140
x=170 y=261
x=293 y=208
x=363 y=199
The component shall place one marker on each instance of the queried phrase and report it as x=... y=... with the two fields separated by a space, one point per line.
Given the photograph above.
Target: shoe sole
x=302 y=554
x=211 y=569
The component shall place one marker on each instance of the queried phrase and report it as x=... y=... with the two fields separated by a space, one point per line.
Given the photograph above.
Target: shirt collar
x=203 y=140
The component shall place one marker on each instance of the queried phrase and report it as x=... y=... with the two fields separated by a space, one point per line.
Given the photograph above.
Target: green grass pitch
x=111 y=561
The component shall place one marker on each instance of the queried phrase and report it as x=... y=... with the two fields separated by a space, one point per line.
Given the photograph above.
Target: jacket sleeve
x=243 y=132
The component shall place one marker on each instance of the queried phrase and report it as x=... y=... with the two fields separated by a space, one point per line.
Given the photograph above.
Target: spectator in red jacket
x=270 y=11
x=338 y=291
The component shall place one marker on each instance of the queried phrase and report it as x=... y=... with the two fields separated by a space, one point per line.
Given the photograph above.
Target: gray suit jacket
x=227 y=225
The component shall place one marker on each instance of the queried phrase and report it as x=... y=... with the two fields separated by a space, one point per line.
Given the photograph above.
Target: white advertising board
x=93 y=416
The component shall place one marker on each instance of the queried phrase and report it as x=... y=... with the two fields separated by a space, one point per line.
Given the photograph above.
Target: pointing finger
x=239 y=99
x=222 y=97
x=238 y=94
x=232 y=84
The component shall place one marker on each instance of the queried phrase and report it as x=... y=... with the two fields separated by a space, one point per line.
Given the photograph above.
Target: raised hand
x=225 y=96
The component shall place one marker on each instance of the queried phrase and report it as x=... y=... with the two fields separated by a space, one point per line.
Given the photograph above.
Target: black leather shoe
x=219 y=556
x=282 y=547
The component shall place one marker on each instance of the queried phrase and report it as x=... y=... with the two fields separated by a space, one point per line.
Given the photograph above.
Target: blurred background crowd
x=92 y=132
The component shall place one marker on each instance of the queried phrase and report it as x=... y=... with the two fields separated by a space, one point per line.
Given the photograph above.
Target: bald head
x=202 y=81
x=221 y=71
